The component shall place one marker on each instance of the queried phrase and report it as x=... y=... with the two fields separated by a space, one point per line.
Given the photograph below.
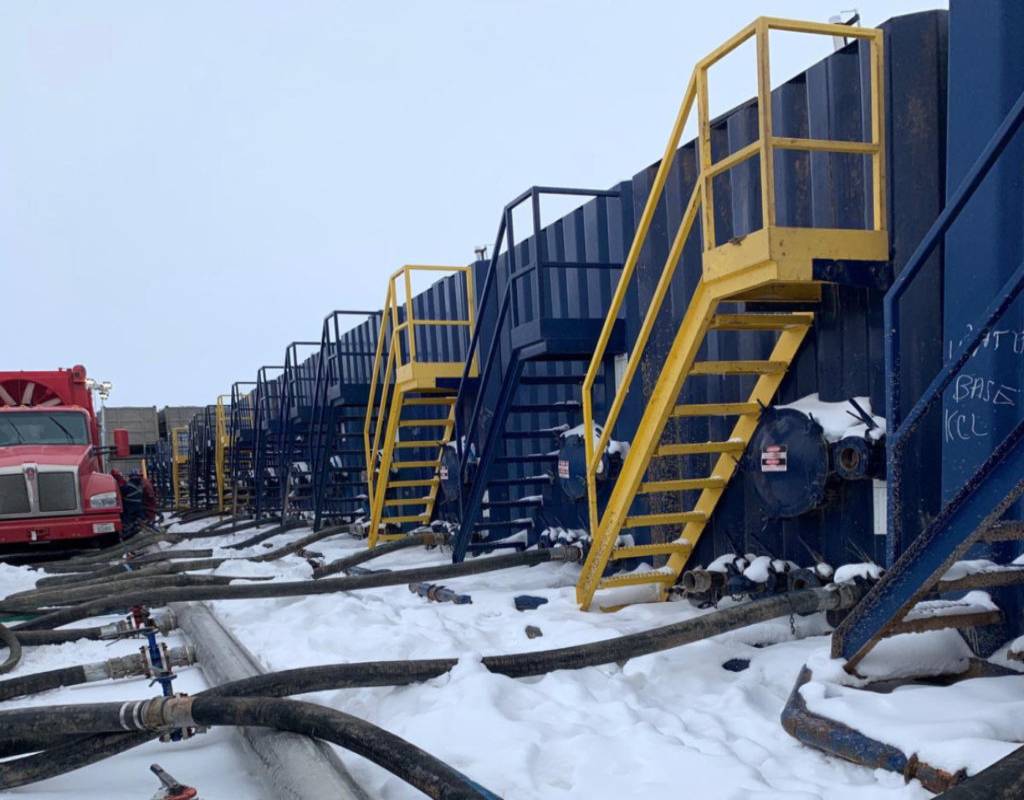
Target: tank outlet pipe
x=111 y=669
x=163 y=714
x=837 y=739
x=162 y=596
x=423 y=539
x=698 y=581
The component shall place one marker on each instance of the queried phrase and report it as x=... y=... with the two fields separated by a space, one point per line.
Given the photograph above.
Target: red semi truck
x=53 y=486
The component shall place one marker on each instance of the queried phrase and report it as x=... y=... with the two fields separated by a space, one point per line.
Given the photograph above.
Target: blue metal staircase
x=975 y=513
x=503 y=463
x=296 y=464
x=241 y=446
x=267 y=440
x=340 y=393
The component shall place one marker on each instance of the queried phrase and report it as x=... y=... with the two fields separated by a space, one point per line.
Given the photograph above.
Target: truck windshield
x=43 y=427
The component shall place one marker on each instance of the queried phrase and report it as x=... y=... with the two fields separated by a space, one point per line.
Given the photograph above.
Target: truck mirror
x=121 y=448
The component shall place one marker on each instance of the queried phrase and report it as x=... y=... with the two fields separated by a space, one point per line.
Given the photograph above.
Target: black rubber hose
x=67 y=597
x=10 y=640
x=159 y=597
x=41 y=681
x=415 y=766
x=412 y=540
x=262 y=536
x=38 y=638
x=1003 y=780
x=82 y=751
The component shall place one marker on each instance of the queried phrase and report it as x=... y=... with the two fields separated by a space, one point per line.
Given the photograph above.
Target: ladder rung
x=418 y=444
x=676 y=518
x=696 y=448
x=397 y=520
x=644 y=550
x=759 y=322
x=409 y=501
x=411 y=484
x=685 y=485
x=425 y=423
x=637 y=579
x=738 y=367
x=715 y=409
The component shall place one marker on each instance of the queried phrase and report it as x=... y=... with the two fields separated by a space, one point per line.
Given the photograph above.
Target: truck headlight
x=104 y=500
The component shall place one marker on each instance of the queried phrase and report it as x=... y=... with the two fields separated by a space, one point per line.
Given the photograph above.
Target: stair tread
x=681 y=485
x=715 y=409
x=680 y=547
x=696 y=448
x=758 y=321
x=655 y=576
x=671 y=518
x=738 y=367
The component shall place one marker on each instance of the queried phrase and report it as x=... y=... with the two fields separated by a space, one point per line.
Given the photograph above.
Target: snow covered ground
x=654 y=725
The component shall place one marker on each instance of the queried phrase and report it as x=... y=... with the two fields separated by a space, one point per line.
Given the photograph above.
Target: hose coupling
x=570 y=555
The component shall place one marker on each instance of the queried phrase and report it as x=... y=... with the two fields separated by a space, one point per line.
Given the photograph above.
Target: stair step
x=415 y=464
x=985 y=579
x=965 y=619
x=409 y=501
x=504 y=523
x=398 y=520
x=738 y=367
x=715 y=409
x=541 y=434
x=672 y=518
x=662 y=577
x=759 y=322
x=1005 y=531
x=527 y=481
x=526 y=501
x=411 y=484
x=644 y=550
x=440 y=400
x=537 y=408
x=696 y=448
x=418 y=444
x=531 y=458
x=683 y=485
x=425 y=423
x=549 y=380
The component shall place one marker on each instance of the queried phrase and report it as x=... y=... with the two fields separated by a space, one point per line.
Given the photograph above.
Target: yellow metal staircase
x=180 y=467
x=772 y=265
x=411 y=410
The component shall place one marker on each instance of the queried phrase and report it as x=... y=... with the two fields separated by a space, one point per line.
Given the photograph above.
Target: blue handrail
x=506 y=236
x=898 y=428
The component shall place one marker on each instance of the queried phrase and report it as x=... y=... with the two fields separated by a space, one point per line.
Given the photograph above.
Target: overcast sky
x=186 y=187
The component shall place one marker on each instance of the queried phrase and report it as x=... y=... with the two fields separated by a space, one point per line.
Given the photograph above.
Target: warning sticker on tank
x=773 y=458
x=444 y=472
x=563 y=468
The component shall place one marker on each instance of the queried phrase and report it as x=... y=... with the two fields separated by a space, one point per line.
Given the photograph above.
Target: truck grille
x=14 y=495
x=57 y=492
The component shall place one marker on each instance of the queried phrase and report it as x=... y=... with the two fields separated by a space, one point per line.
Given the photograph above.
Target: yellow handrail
x=392 y=334
x=703 y=196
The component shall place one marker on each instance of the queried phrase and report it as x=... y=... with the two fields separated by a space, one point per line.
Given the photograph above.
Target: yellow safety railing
x=179 y=464
x=222 y=443
x=398 y=338
x=702 y=197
